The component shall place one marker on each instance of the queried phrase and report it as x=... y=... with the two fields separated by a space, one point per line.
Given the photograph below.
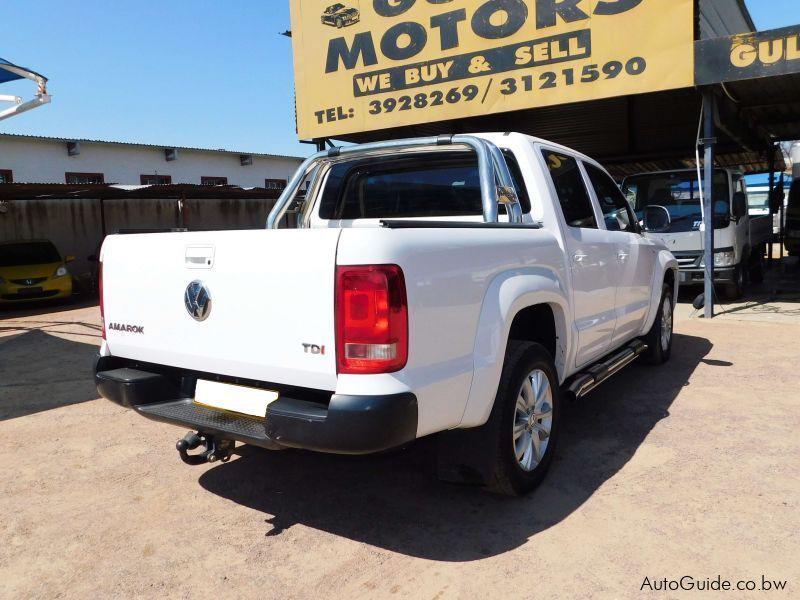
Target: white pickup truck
x=460 y=285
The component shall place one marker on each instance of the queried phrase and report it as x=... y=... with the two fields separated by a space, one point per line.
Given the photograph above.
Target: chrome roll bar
x=497 y=185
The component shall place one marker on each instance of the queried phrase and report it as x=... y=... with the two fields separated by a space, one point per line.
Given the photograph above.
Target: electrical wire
x=728 y=94
x=697 y=163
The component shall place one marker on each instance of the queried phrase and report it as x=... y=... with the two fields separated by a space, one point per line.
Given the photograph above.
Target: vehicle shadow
x=45 y=307
x=394 y=501
x=39 y=372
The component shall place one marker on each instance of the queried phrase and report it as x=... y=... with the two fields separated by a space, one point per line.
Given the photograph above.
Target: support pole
x=771 y=163
x=102 y=219
x=781 y=230
x=709 y=142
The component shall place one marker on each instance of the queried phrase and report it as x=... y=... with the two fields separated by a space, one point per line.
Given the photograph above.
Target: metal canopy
x=753 y=78
x=651 y=132
x=772 y=103
x=659 y=130
x=634 y=134
x=11 y=72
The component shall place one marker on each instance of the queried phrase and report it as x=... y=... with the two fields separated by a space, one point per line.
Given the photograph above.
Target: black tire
x=735 y=289
x=509 y=476
x=658 y=352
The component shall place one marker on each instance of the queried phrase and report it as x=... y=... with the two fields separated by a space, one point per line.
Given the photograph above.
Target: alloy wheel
x=533 y=420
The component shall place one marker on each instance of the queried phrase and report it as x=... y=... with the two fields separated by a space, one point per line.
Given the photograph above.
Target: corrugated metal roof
x=720 y=18
x=772 y=102
x=141 y=145
x=651 y=131
x=628 y=135
x=32 y=191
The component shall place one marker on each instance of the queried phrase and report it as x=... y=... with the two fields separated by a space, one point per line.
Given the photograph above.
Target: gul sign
x=748 y=56
x=364 y=65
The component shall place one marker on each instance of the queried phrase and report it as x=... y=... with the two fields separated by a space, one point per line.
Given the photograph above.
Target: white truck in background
x=457 y=285
x=668 y=203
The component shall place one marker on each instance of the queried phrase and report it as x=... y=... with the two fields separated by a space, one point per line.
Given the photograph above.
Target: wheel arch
x=666 y=271
x=536 y=323
x=526 y=305
x=670 y=275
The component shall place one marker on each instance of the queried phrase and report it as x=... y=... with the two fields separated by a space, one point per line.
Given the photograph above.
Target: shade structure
x=10 y=72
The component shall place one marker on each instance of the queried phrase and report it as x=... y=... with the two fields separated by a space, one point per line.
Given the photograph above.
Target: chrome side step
x=585 y=381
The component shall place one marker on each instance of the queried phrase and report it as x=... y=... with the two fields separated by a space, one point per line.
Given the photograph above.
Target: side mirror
x=69 y=258
x=739 y=207
x=656 y=219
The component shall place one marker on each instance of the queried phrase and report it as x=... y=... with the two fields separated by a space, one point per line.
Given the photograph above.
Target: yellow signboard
x=365 y=65
x=748 y=56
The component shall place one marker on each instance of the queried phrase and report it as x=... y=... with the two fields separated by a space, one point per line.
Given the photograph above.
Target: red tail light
x=100 y=290
x=371 y=319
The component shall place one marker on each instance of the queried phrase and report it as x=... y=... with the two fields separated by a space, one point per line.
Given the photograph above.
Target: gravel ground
x=691 y=469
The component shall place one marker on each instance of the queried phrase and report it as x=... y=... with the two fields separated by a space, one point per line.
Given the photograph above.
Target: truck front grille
x=687 y=260
x=32 y=281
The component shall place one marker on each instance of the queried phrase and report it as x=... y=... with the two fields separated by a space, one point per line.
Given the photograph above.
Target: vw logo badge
x=197 y=299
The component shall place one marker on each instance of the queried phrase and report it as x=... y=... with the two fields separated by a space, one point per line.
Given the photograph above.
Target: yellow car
x=32 y=270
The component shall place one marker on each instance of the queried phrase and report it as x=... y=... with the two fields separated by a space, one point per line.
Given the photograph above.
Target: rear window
x=445 y=184
x=28 y=253
x=570 y=189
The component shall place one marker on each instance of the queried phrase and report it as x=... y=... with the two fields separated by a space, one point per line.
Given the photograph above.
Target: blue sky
x=178 y=72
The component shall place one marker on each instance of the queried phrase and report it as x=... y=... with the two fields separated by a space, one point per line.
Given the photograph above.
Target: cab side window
x=617 y=213
x=571 y=191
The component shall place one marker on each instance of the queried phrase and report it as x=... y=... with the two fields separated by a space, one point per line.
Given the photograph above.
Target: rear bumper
x=345 y=425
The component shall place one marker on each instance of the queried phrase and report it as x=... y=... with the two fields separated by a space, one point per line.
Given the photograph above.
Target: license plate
x=234 y=398
x=29 y=291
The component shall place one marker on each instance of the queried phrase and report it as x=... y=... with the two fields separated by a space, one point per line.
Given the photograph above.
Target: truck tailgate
x=271 y=299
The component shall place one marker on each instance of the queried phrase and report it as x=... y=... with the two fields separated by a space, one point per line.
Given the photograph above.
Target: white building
x=32 y=159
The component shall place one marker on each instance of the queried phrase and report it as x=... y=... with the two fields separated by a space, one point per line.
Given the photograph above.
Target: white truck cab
x=668 y=203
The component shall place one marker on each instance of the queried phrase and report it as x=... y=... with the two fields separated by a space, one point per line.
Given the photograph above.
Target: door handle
x=580 y=257
x=199 y=257
x=622 y=255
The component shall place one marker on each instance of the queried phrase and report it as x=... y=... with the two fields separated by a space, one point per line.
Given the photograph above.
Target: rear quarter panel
x=449 y=274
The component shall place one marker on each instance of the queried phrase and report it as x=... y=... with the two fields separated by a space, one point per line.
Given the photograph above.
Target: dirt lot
x=690 y=469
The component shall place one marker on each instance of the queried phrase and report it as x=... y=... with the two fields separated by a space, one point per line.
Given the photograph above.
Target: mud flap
x=464 y=456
